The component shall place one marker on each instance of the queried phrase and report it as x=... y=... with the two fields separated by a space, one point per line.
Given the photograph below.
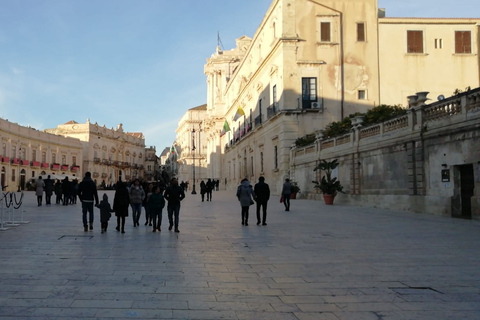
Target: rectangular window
x=274 y=98
x=361 y=31
x=14 y=151
x=438 y=43
x=362 y=94
x=64 y=159
x=13 y=174
x=261 y=161
x=414 y=41
x=44 y=157
x=54 y=158
x=34 y=155
x=309 y=92
x=325 y=32
x=275 y=155
x=463 y=42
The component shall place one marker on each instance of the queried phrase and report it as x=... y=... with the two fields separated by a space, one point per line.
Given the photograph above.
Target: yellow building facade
x=313 y=62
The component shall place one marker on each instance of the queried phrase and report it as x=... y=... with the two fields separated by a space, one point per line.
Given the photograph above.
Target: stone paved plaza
x=314 y=262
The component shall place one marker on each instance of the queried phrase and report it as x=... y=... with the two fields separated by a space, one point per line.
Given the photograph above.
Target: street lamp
x=193 y=153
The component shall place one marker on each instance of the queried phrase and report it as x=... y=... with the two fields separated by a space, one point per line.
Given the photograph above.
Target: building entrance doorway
x=464 y=185
x=22 y=179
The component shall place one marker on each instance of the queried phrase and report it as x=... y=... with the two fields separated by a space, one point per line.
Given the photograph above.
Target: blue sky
x=136 y=62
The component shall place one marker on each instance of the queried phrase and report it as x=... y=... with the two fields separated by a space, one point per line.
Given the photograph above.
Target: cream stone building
x=27 y=153
x=109 y=154
x=151 y=164
x=188 y=150
x=420 y=54
x=313 y=62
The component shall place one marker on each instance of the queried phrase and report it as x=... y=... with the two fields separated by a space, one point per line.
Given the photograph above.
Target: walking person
x=203 y=189
x=174 y=194
x=286 y=193
x=210 y=187
x=105 y=212
x=262 y=195
x=58 y=192
x=48 y=190
x=148 y=193
x=87 y=193
x=66 y=186
x=245 y=195
x=39 y=187
x=121 y=201
x=136 y=198
x=156 y=203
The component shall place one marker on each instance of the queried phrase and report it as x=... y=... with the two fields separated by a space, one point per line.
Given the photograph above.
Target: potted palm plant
x=328 y=186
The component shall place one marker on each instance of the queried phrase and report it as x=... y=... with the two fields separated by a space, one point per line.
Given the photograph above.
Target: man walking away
x=174 y=194
x=87 y=193
x=262 y=194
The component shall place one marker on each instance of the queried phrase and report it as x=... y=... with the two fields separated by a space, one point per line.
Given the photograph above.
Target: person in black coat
x=210 y=185
x=203 y=189
x=121 y=201
x=174 y=194
x=262 y=195
x=87 y=193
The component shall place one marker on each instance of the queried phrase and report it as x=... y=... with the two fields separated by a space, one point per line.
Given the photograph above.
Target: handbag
x=281 y=199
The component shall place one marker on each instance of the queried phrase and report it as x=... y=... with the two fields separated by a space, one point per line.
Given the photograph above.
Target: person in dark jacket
x=203 y=190
x=156 y=203
x=210 y=186
x=66 y=188
x=174 y=194
x=58 y=192
x=48 y=190
x=245 y=195
x=87 y=193
x=286 y=193
x=121 y=201
x=262 y=195
x=105 y=212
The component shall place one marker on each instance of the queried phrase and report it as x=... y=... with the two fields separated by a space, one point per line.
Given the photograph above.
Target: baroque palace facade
x=27 y=153
x=312 y=62
x=109 y=154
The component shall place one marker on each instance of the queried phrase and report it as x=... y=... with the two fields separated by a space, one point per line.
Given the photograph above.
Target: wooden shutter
x=325 y=32
x=463 y=42
x=414 y=41
x=361 y=31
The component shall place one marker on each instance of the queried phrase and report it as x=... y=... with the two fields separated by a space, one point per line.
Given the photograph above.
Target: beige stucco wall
x=438 y=70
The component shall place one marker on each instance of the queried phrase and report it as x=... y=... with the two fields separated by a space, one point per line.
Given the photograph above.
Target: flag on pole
x=239 y=113
x=225 y=129
x=173 y=149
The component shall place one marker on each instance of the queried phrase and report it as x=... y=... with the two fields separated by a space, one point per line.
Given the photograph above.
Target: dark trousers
x=262 y=204
x=209 y=195
x=245 y=214
x=173 y=212
x=48 y=198
x=286 y=201
x=122 y=222
x=104 y=226
x=87 y=207
x=39 y=200
x=156 y=216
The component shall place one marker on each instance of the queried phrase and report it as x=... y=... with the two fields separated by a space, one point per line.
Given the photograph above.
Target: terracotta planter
x=328 y=198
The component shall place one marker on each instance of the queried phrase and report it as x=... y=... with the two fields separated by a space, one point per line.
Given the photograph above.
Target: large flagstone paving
x=314 y=262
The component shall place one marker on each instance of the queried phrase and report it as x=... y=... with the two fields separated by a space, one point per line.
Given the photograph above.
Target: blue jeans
x=87 y=207
x=136 y=212
x=173 y=212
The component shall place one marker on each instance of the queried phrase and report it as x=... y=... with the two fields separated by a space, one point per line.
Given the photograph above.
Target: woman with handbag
x=245 y=195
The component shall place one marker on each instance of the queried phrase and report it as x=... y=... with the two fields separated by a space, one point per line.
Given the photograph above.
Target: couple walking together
x=260 y=193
